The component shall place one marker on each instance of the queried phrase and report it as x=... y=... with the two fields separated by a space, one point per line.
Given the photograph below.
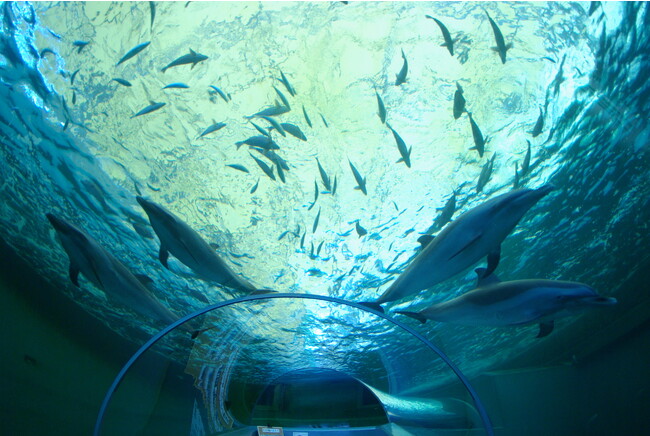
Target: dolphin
x=191 y=58
x=518 y=302
x=473 y=235
x=106 y=272
x=179 y=239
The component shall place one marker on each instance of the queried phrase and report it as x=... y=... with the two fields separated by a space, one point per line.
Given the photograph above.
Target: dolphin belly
x=475 y=234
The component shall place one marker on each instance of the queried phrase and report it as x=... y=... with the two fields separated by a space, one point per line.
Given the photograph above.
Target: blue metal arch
x=118 y=379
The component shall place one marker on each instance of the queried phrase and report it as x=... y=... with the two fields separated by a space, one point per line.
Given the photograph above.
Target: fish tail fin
x=414 y=315
x=373 y=305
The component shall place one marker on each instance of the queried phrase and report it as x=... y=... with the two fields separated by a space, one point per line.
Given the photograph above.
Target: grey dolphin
x=518 y=302
x=179 y=239
x=473 y=235
x=106 y=272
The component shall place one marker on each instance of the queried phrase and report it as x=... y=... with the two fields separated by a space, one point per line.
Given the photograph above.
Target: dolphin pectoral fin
x=545 y=328
x=372 y=305
x=493 y=261
x=414 y=315
x=144 y=279
x=73 y=272
x=424 y=240
x=163 y=255
x=467 y=245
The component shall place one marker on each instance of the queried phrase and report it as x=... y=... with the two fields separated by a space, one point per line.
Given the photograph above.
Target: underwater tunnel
x=286 y=361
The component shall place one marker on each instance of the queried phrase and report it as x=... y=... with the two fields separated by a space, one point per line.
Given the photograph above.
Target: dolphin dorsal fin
x=485 y=281
x=214 y=245
x=424 y=240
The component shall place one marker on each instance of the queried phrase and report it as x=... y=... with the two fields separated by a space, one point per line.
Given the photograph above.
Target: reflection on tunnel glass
x=258 y=369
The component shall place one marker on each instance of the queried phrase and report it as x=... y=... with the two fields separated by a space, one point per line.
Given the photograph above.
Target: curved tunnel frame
x=118 y=379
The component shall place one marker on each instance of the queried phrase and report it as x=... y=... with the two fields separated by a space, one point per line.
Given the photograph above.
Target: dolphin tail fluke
x=372 y=305
x=414 y=315
x=545 y=329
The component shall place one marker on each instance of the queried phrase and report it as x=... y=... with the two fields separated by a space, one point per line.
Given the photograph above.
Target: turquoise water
x=74 y=149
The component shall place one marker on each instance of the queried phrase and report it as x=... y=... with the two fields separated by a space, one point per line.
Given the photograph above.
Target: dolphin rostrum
x=496 y=303
x=106 y=272
x=179 y=239
x=463 y=242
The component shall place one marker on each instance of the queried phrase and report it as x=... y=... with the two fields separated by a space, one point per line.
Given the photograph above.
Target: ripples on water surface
x=74 y=148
